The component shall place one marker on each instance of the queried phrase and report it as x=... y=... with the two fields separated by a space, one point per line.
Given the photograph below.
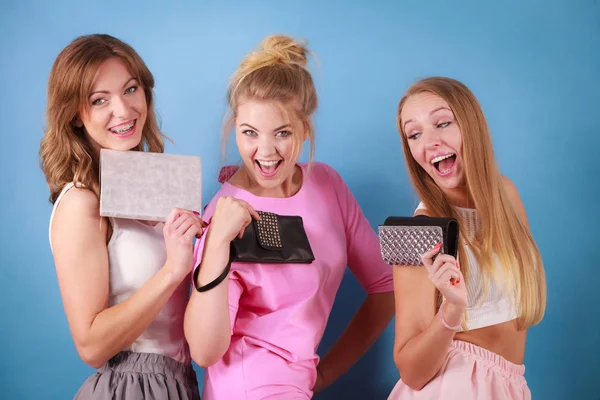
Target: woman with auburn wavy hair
x=123 y=282
x=461 y=326
x=257 y=331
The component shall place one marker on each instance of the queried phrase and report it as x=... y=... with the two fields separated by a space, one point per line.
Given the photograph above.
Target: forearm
x=116 y=327
x=366 y=326
x=207 y=321
x=420 y=359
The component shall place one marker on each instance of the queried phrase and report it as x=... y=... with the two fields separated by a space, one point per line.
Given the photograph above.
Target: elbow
x=91 y=355
x=415 y=385
x=207 y=345
x=409 y=376
x=206 y=356
x=204 y=360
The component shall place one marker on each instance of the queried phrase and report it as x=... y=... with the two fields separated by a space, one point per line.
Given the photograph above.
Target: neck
x=459 y=197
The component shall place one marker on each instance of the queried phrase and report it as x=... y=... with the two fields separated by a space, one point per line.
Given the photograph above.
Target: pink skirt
x=470 y=372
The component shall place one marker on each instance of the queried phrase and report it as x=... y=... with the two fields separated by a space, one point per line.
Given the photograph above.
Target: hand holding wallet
x=274 y=239
x=404 y=239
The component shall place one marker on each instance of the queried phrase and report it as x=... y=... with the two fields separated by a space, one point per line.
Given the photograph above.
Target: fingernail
x=437 y=246
x=457 y=265
x=458 y=280
x=196 y=212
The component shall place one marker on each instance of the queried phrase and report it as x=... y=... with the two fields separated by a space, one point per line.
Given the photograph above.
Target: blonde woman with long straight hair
x=123 y=282
x=461 y=324
x=258 y=330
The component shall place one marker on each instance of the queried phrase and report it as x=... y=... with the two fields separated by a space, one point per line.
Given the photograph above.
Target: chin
x=449 y=184
x=126 y=145
x=267 y=184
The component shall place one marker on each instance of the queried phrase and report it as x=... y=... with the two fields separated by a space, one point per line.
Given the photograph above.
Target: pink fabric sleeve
x=364 y=254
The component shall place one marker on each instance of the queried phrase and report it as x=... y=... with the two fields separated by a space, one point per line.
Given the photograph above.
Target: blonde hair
x=66 y=155
x=275 y=72
x=503 y=233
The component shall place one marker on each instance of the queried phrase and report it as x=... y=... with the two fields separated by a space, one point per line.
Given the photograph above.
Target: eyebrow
x=274 y=130
x=105 y=91
x=431 y=113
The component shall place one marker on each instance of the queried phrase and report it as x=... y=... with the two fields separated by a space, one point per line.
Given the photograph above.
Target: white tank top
x=136 y=252
x=483 y=309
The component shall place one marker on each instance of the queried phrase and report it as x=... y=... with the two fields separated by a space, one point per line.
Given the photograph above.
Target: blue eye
x=98 y=102
x=249 y=132
x=414 y=136
x=284 y=133
x=443 y=124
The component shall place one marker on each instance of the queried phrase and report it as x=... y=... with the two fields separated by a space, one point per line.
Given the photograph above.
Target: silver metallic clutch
x=146 y=186
x=403 y=240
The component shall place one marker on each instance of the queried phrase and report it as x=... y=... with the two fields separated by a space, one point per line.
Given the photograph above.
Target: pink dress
x=279 y=311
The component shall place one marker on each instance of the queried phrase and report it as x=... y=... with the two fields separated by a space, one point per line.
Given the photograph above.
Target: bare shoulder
x=515 y=199
x=78 y=203
x=78 y=213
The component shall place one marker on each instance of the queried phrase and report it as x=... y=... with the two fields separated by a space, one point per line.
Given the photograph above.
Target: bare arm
x=207 y=321
x=366 y=326
x=421 y=341
x=81 y=258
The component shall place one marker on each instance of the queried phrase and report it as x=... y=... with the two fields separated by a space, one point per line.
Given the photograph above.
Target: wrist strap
x=216 y=281
x=452 y=328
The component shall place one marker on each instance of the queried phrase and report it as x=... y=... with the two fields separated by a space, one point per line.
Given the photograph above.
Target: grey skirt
x=141 y=376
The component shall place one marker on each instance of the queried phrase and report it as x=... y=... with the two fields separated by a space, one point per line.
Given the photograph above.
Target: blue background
x=533 y=65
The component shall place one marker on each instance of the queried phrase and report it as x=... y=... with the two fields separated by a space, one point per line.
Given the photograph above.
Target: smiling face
x=268 y=137
x=434 y=139
x=116 y=108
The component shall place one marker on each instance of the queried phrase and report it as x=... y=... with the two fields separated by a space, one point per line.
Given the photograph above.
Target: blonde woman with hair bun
x=257 y=331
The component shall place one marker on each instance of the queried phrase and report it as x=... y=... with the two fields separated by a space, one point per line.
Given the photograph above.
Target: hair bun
x=275 y=49
x=284 y=49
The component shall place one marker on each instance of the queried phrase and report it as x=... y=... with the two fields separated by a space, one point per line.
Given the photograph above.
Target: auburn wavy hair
x=66 y=155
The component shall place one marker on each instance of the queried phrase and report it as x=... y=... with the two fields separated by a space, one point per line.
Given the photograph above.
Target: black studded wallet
x=274 y=239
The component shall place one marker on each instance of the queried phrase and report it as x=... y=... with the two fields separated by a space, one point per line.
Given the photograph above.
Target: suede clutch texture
x=146 y=186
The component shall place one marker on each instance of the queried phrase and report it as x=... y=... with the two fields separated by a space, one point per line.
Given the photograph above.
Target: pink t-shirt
x=279 y=311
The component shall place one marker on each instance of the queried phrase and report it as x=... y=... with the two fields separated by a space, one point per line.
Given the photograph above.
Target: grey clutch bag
x=403 y=240
x=146 y=186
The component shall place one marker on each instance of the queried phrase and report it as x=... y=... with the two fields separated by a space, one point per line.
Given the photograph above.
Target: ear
x=76 y=122
x=307 y=126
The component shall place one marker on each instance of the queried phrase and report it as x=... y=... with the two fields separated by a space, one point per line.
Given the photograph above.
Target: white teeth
x=267 y=163
x=441 y=158
x=124 y=128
